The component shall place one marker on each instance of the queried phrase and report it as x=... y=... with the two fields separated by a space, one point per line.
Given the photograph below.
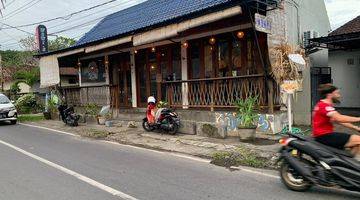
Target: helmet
x=151 y=99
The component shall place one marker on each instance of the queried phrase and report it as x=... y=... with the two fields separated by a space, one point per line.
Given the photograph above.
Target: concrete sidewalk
x=188 y=144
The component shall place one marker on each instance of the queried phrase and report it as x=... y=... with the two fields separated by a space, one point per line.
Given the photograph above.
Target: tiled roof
x=146 y=14
x=352 y=26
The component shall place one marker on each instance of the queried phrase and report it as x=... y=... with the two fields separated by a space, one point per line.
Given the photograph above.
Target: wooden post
x=133 y=79
x=270 y=94
x=184 y=77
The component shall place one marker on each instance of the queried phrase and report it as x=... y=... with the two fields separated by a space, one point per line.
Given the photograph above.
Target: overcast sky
x=19 y=12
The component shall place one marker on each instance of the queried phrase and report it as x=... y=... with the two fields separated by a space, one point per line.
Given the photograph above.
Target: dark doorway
x=319 y=75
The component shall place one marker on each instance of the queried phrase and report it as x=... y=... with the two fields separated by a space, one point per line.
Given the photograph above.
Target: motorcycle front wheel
x=147 y=127
x=292 y=180
x=174 y=128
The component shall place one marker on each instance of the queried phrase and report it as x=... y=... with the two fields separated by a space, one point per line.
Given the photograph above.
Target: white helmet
x=151 y=99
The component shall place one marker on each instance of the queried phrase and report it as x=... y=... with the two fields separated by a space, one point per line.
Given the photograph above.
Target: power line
x=21 y=9
x=27 y=32
x=66 y=17
x=91 y=14
x=88 y=22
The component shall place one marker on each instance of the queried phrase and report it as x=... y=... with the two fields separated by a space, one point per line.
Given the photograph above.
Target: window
x=350 y=61
x=223 y=58
x=237 y=58
x=208 y=56
x=176 y=62
x=195 y=60
x=72 y=81
x=140 y=62
x=93 y=71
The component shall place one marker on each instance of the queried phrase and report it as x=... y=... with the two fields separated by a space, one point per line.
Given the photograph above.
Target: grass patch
x=240 y=156
x=31 y=117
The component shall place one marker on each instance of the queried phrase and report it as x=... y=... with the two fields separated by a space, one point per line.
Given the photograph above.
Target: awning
x=49 y=68
x=174 y=29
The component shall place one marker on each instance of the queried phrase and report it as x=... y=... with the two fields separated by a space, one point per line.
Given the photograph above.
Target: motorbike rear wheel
x=291 y=180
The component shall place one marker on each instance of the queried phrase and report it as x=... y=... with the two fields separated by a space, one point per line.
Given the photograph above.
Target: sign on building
x=262 y=23
x=41 y=39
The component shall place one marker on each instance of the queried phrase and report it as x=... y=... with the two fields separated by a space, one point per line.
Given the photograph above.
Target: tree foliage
x=60 y=43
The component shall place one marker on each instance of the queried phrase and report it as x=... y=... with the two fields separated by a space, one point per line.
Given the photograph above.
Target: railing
x=217 y=92
x=80 y=96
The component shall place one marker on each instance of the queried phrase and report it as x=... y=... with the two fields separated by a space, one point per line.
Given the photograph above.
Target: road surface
x=41 y=164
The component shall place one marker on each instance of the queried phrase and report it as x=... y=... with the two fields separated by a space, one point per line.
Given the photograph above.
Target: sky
x=20 y=12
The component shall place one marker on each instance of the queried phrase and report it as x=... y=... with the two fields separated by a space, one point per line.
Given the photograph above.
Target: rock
x=132 y=124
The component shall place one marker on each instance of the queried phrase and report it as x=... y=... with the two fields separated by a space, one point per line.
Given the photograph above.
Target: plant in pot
x=53 y=110
x=91 y=113
x=248 y=117
x=104 y=115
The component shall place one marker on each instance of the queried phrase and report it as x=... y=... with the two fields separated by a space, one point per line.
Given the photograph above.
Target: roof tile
x=144 y=15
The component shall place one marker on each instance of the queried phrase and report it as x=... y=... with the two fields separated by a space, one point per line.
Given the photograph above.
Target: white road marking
x=72 y=173
x=50 y=129
x=253 y=171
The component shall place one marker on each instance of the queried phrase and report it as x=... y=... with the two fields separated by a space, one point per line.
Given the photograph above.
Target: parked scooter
x=306 y=162
x=166 y=119
x=68 y=115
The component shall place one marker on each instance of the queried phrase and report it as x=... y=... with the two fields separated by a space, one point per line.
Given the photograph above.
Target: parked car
x=8 y=111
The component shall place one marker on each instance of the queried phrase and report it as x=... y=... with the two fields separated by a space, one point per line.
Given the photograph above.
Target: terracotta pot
x=246 y=134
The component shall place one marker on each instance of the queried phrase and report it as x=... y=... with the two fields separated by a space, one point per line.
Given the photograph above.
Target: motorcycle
x=168 y=121
x=68 y=115
x=305 y=163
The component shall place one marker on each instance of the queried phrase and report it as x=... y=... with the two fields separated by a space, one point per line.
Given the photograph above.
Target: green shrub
x=246 y=112
x=92 y=109
x=26 y=103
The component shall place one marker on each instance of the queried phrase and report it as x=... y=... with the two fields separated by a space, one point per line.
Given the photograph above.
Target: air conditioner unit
x=309 y=35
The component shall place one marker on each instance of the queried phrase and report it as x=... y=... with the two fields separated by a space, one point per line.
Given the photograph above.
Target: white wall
x=346 y=77
x=306 y=15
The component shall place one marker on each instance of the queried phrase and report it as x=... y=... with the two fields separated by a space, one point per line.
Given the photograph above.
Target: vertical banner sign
x=262 y=23
x=41 y=39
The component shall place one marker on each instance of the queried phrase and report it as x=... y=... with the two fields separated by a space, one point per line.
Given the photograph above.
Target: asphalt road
x=41 y=164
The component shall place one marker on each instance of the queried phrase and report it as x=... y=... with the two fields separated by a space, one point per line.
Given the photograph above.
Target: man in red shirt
x=324 y=115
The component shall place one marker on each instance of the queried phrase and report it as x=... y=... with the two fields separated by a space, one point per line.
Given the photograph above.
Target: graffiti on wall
x=228 y=120
x=267 y=123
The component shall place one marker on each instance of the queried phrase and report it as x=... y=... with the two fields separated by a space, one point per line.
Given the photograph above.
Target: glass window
x=236 y=58
x=223 y=58
x=4 y=99
x=195 y=60
x=140 y=63
x=176 y=62
x=93 y=71
x=208 y=56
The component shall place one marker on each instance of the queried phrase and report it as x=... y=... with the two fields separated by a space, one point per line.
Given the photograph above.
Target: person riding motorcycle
x=324 y=115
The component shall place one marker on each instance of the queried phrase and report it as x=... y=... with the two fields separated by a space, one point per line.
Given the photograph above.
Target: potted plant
x=91 y=113
x=53 y=110
x=248 y=117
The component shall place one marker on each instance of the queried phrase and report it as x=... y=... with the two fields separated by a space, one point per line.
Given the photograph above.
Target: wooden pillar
x=107 y=71
x=184 y=76
x=133 y=79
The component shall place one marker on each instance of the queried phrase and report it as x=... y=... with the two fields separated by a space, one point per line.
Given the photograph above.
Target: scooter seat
x=336 y=151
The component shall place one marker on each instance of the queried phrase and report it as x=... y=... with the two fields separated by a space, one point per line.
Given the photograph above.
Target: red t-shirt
x=149 y=115
x=321 y=119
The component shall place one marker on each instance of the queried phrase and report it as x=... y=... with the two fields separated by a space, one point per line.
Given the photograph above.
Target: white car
x=8 y=111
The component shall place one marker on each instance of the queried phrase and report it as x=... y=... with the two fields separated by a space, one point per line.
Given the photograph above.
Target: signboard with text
x=41 y=39
x=262 y=23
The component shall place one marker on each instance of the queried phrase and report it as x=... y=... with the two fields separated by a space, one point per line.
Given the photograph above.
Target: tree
x=60 y=43
x=29 y=77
